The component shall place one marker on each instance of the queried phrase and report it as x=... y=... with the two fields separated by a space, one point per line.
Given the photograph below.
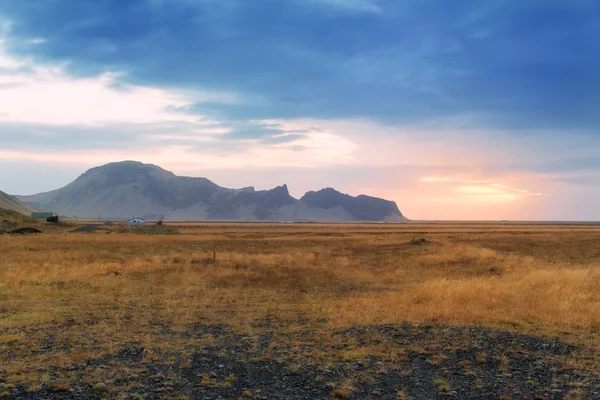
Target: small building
x=43 y=215
x=137 y=221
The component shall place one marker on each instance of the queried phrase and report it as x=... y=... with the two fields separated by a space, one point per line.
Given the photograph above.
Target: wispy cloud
x=45 y=94
x=369 y=6
x=48 y=96
x=481 y=190
x=313 y=150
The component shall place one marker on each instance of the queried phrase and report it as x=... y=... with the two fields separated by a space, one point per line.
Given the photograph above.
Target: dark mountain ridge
x=123 y=189
x=364 y=208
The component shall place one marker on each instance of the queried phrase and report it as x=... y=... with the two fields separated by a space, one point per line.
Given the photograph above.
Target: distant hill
x=129 y=188
x=9 y=202
x=15 y=217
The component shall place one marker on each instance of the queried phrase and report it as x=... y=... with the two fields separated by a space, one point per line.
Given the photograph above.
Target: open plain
x=302 y=311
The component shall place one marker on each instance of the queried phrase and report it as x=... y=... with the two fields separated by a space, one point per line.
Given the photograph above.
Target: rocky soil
x=374 y=362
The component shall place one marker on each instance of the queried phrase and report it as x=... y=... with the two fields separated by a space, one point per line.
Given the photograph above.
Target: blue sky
x=456 y=110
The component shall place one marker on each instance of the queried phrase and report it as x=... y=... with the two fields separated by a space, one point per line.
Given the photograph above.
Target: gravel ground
x=424 y=363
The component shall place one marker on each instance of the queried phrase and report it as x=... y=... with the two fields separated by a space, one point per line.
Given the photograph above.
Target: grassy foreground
x=69 y=298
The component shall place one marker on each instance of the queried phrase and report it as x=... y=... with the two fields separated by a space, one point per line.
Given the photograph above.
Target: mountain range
x=129 y=188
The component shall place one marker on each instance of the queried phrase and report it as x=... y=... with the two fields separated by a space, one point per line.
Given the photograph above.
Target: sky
x=461 y=110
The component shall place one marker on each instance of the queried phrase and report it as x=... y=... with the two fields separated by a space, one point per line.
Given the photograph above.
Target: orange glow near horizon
x=470 y=198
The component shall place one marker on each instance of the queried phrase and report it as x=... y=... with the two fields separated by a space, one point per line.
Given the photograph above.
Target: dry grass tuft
x=344 y=391
x=441 y=384
x=401 y=395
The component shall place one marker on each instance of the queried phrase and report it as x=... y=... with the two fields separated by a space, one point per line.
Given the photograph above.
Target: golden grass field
x=93 y=292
